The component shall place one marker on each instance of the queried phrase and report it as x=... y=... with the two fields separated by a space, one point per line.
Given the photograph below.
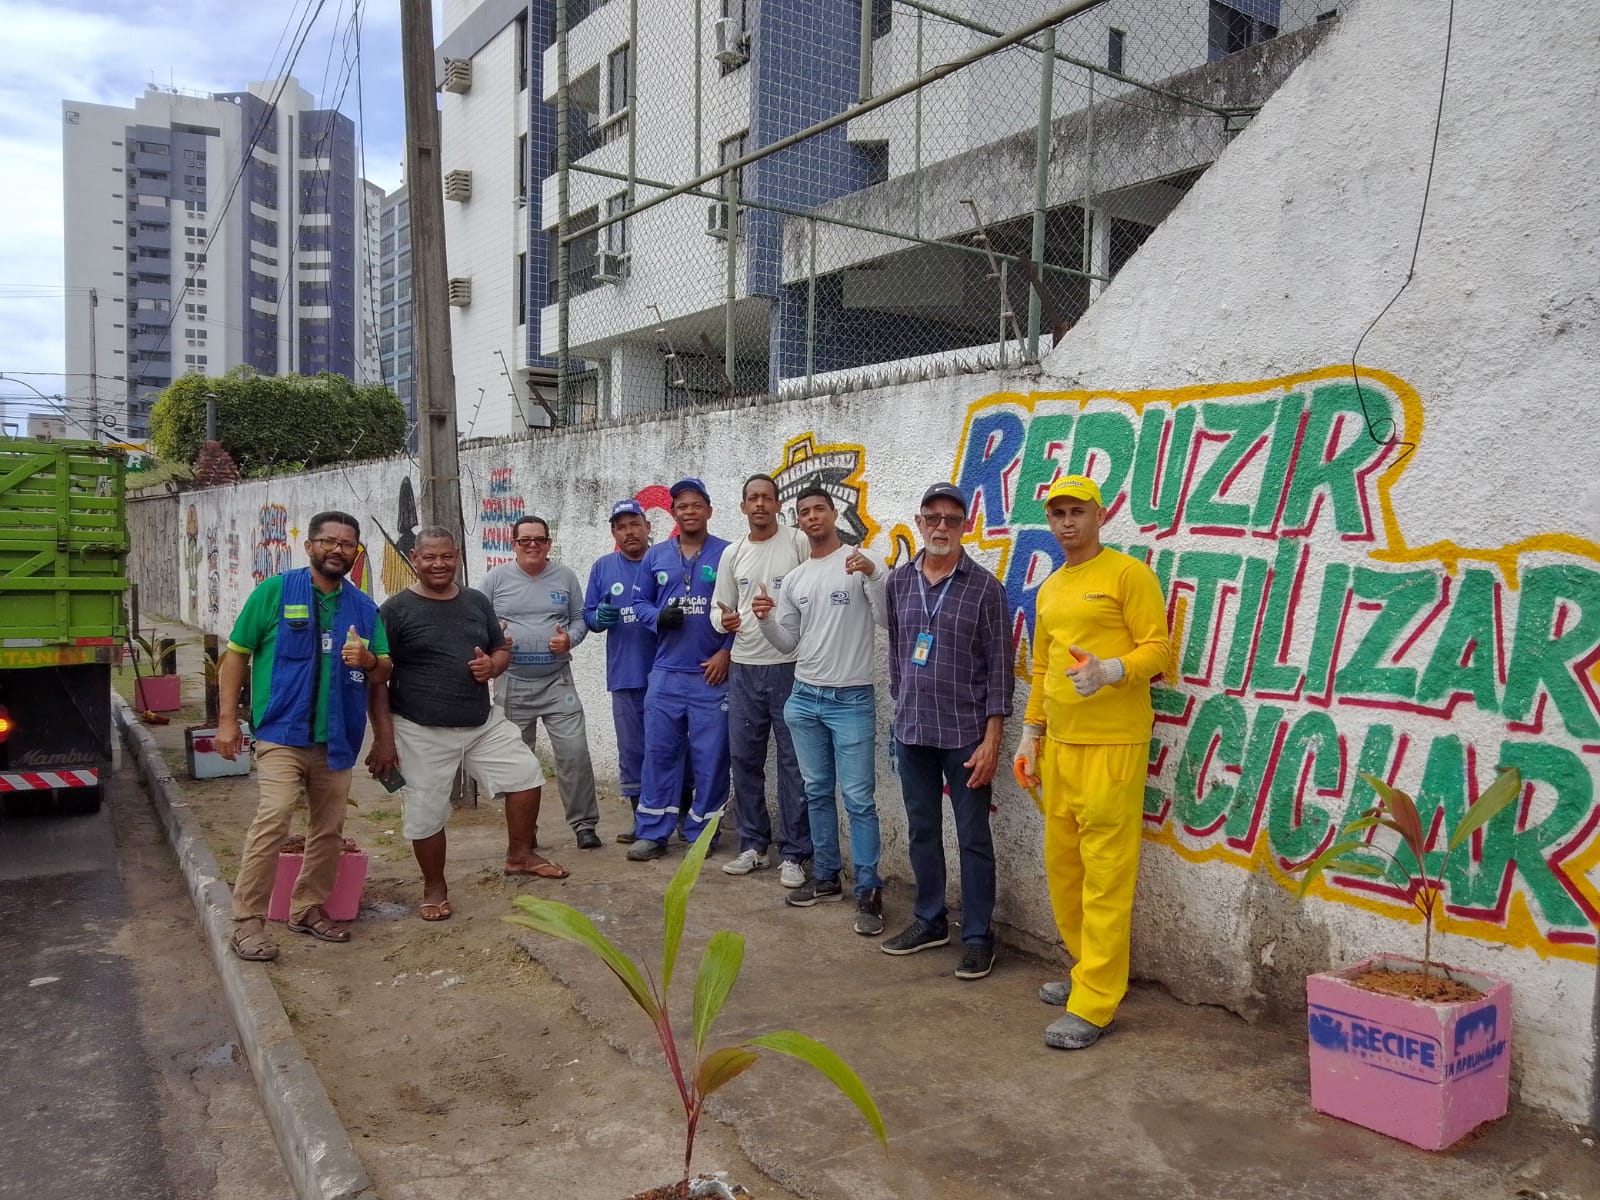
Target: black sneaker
x=812 y=891
x=869 y=913
x=919 y=935
x=977 y=960
x=588 y=839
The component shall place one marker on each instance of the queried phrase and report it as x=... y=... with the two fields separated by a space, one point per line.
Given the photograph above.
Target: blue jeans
x=834 y=732
x=924 y=773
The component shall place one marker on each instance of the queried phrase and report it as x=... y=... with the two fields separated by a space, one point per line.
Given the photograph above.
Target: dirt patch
x=459 y=1066
x=1413 y=985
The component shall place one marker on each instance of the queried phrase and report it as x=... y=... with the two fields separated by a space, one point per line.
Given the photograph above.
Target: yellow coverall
x=1092 y=761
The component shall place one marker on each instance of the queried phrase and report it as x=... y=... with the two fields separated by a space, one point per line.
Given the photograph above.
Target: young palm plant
x=700 y=1077
x=1396 y=811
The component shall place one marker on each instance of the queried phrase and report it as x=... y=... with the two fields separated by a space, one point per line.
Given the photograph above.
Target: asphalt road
x=121 y=1070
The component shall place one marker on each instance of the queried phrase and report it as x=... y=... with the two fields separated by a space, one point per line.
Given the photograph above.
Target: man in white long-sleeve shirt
x=827 y=612
x=760 y=678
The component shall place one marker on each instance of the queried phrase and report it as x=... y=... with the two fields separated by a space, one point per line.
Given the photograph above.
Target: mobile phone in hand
x=392 y=780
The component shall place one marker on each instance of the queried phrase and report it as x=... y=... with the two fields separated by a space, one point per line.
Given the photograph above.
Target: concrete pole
x=435 y=374
x=563 y=215
x=1041 y=176
x=732 y=282
x=864 y=79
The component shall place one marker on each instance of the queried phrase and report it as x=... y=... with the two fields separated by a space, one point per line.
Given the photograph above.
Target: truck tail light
x=5 y=722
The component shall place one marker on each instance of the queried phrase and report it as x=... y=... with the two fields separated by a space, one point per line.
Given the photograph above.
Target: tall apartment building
x=394 y=304
x=216 y=230
x=654 y=299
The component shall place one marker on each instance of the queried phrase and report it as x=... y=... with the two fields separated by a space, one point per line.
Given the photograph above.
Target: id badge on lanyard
x=923 y=650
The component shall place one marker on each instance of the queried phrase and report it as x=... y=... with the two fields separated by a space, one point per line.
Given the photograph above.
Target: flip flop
x=434 y=911
x=544 y=870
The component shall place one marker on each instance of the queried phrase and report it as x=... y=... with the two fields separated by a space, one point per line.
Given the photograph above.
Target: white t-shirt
x=745 y=566
x=828 y=615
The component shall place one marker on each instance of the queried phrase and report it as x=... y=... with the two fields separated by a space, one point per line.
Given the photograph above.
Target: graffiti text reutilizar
x=1312 y=644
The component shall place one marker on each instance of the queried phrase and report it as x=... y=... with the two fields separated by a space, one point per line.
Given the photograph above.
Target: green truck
x=63 y=575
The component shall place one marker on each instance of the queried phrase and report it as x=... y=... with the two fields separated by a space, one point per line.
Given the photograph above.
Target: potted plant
x=699 y=1077
x=158 y=689
x=344 y=902
x=1413 y=1049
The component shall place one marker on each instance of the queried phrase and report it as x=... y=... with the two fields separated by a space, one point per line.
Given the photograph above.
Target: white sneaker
x=747 y=861
x=791 y=874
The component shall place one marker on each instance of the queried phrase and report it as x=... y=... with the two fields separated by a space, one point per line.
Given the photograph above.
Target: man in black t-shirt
x=436 y=717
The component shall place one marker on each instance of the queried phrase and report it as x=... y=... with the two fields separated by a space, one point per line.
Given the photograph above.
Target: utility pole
x=435 y=374
x=94 y=368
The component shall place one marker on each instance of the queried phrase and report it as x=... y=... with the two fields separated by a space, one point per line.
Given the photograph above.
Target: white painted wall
x=1283 y=254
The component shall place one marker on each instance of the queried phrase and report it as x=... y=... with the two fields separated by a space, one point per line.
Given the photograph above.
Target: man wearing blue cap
x=687 y=700
x=630 y=645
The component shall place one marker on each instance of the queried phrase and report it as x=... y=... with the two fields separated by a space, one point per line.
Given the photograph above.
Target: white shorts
x=493 y=753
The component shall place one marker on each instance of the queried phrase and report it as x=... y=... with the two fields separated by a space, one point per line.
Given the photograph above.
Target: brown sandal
x=319 y=925
x=251 y=943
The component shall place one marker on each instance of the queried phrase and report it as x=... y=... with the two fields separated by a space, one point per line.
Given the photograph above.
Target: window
x=1231 y=29
x=522 y=167
x=519 y=29
x=1114 y=43
x=617 y=233
x=520 y=283
x=882 y=17
x=617 y=65
x=731 y=150
x=877 y=156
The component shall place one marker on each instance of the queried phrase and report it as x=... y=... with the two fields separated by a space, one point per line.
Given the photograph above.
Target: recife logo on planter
x=1478 y=1043
x=1388 y=1048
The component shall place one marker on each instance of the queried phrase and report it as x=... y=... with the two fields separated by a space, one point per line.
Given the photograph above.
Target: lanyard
x=689 y=565
x=922 y=582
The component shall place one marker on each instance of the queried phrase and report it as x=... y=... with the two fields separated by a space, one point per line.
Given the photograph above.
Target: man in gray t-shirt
x=541 y=603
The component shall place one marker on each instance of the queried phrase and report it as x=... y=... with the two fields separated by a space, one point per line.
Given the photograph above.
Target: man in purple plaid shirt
x=951 y=678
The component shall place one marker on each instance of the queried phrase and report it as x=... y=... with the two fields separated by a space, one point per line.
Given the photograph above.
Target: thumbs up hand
x=763 y=604
x=355 y=652
x=561 y=642
x=1091 y=673
x=731 y=620
x=481 y=665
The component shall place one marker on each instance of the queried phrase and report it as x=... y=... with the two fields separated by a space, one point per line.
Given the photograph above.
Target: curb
x=313 y=1143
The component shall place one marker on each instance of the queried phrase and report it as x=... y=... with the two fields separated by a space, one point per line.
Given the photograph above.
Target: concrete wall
x=153 y=562
x=1403 y=579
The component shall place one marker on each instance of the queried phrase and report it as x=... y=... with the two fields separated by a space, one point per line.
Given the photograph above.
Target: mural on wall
x=496 y=512
x=269 y=555
x=191 y=560
x=397 y=574
x=233 y=564
x=840 y=470
x=1313 y=643
x=213 y=571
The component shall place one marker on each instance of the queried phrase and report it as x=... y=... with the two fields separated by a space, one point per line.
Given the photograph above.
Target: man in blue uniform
x=687 y=700
x=630 y=645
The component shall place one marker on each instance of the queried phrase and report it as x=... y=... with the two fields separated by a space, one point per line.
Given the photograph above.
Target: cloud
x=107 y=52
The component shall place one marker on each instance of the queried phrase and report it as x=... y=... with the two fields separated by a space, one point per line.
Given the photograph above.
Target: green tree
x=275 y=423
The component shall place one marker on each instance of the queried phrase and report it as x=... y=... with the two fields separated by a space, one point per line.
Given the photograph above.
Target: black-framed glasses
x=948 y=520
x=528 y=543
x=328 y=543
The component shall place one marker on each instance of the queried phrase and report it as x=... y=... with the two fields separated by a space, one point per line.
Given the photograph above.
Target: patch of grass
x=383 y=814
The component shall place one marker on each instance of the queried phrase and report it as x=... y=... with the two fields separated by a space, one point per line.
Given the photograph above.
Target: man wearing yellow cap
x=1099 y=638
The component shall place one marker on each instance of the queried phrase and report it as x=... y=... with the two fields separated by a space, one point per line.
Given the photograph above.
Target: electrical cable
x=1416 y=248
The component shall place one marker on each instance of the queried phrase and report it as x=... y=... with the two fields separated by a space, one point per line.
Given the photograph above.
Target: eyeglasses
x=327 y=543
x=529 y=542
x=948 y=520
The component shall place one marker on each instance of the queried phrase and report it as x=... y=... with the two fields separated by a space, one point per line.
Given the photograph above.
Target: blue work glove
x=606 y=615
x=670 y=617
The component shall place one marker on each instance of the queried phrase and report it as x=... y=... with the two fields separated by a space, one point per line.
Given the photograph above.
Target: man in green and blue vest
x=318 y=645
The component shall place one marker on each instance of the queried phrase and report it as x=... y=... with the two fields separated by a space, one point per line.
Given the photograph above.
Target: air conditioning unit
x=457 y=75
x=610 y=267
x=718 y=220
x=732 y=45
x=460 y=292
x=458 y=185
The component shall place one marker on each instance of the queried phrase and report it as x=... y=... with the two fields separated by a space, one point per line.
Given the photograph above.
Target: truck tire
x=80 y=801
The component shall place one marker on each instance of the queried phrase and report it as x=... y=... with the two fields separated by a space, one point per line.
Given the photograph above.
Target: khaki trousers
x=286 y=775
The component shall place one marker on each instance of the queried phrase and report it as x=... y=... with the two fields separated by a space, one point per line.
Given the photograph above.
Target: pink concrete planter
x=1425 y=1073
x=344 y=902
x=158 y=693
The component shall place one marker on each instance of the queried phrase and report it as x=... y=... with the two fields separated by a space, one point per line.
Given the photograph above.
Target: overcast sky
x=106 y=52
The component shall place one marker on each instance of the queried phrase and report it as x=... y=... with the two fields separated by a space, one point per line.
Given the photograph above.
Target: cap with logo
x=626 y=508
x=944 y=491
x=691 y=484
x=1076 y=487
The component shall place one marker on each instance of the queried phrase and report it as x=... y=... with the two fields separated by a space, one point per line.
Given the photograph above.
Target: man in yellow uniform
x=1099 y=638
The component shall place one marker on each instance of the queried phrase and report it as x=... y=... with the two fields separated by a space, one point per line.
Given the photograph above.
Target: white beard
x=940 y=551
